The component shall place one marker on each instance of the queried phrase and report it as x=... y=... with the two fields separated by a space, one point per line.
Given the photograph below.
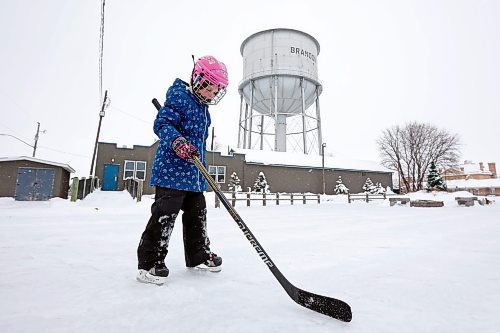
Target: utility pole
x=36 y=139
x=101 y=115
x=323 y=145
x=213 y=135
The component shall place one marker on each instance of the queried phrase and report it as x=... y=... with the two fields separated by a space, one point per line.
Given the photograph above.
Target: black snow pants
x=153 y=246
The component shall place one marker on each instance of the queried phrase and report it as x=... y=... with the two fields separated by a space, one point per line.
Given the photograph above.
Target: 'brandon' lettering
x=302 y=52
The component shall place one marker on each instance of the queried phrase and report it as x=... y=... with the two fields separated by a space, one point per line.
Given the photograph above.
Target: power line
x=101 y=49
x=44 y=147
x=63 y=152
x=10 y=129
x=15 y=137
x=130 y=115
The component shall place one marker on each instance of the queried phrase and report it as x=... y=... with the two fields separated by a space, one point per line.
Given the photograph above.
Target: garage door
x=34 y=184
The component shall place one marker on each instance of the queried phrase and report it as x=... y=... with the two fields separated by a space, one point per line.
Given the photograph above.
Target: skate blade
x=145 y=277
x=204 y=268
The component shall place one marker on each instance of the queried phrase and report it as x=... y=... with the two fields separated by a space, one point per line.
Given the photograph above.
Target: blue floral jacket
x=181 y=115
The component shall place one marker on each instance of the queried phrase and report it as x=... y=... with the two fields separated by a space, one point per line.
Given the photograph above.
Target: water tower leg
x=251 y=116
x=280 y=139
x=304 y=133
x=280 y=124
x=262 y=132
x=239 y=123
x=245 y=129
x=318 y=120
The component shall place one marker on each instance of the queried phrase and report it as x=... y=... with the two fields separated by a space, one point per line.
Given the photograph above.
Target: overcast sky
x=381 y=63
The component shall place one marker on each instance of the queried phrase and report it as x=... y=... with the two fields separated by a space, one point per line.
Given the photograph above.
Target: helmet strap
x=197 y=80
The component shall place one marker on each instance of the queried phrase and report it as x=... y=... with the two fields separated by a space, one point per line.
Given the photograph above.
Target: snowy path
x=70 y=267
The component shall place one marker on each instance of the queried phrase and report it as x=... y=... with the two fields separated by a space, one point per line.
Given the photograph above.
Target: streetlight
x=323 y=145
x=36 y=139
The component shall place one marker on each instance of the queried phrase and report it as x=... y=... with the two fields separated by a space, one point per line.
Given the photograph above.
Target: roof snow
x=37 y=160
x=473 y=183
x=470 y=167
x=308 y=161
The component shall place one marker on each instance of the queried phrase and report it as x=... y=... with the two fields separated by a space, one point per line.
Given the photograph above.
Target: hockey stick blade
x=328 y=306
x=322 y=304
x=331 y=307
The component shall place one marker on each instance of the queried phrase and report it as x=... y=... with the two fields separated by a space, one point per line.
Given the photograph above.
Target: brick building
x=285 y=172
x=473 y=177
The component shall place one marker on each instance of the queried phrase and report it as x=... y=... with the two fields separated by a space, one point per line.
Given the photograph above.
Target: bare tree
x=410 y=150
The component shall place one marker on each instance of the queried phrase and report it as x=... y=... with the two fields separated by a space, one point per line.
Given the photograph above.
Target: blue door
x=110 y=177
x=34 y=184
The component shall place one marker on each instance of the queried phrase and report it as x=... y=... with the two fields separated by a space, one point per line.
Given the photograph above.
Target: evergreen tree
x=368 y=187
x=234 y=183
x=379 y=189
x=340 y=188
x=260 y=184
x=434 y=180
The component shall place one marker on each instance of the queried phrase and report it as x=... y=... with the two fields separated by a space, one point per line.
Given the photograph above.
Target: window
x=128 y=171
x=218 y=173
x=140 y=170
x=134 y=170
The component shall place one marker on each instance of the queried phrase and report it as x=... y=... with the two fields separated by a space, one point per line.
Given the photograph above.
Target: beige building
x=473 y=177
x=470 y=170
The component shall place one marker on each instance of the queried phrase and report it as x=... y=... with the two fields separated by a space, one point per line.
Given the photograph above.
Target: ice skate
x=156 y=275
x=212 y=264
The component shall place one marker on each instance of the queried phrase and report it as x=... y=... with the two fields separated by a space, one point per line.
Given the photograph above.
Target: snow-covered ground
x=70 y=267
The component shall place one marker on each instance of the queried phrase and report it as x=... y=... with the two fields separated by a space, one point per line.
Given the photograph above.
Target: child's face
x=208 y=92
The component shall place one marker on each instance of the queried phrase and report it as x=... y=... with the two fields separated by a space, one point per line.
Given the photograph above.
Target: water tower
x=280 y=83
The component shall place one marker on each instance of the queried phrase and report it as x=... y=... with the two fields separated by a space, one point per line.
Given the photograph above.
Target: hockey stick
x=326 y=305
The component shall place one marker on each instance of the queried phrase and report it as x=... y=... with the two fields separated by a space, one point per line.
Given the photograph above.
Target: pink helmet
x=212 y=70
x=209 y=71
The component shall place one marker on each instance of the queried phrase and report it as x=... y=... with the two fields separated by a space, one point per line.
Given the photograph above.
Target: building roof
x=309 y=161
x=470 y=168
x=37 y=160
x=473 y=183
x=124 y=146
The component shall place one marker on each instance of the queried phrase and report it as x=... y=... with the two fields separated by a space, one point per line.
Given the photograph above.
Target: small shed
x=33 y=179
